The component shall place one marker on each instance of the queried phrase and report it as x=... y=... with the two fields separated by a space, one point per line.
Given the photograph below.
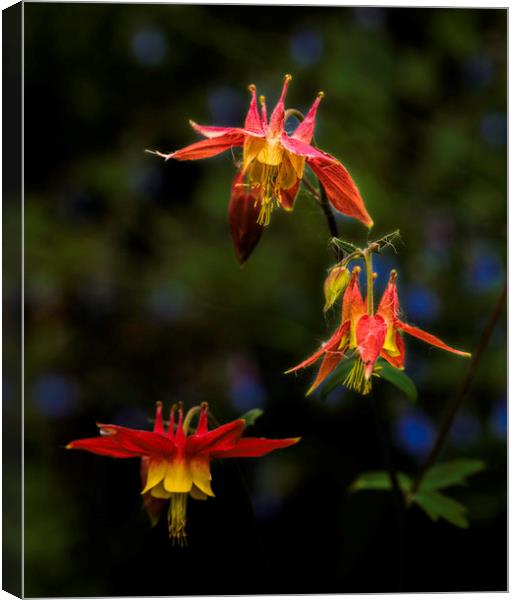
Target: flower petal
x=328 y=364
x=396 y=359
x=288 y=197
x=305 y=129
x=389 y=306
x=370 y=333
x=153 y=505
x=301 y=148
x=156 y=472
x=341 y=191
x=201 y=474
x=328 y=346
x=178 y=477
x=212 y=131
x=428 y=338
x=197 y=494
x=253 y=447
x=105 y=446
x=253 y=120
x=144 y=443
x=243 y=212
x=159 y=492
x=159 y=424
x=226 y=434
x=209 y=147
x=276 y=121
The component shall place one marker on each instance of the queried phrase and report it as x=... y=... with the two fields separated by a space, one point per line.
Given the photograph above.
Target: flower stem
x=368 y=259
x=454 y=406
x=385 y=450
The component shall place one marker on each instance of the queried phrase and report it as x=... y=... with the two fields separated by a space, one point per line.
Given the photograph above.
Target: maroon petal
x=243 y=212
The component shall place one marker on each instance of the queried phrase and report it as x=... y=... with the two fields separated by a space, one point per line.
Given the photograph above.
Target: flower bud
x=335 y=284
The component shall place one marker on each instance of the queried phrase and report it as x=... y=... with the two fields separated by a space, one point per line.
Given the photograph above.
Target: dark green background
x=133 y=293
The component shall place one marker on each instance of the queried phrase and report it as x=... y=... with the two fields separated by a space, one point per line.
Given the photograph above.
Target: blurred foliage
x=133 y=293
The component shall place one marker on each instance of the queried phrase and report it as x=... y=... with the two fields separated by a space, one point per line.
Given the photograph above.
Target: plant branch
x=455 y=405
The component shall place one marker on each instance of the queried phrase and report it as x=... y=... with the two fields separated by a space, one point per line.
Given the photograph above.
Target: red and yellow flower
x=176 y=464
x=369 y=336
x=274 y=161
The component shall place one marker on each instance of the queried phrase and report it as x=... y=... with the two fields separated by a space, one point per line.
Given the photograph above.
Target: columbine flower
x=176 y=464
x=369 y=336
x=274 y=161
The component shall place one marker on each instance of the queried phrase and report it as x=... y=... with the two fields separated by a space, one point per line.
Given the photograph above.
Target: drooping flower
x=176 y=464
x=274 y=161
x=370 y=336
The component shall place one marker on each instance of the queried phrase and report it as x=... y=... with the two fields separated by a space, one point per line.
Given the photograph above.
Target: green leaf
x=438 y=506
x=251 y=416
x=337 y=378
x=450 y=473
x=379 y=480
x=398 y=378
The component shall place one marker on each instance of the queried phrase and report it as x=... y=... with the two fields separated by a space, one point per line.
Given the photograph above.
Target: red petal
x=329 y=346
x=353 y=305
x=105 y=446
x=396 y=361
x=144 y=443
x=287 y=197
x=252 y=447
x=371 y=333
x=253 y=118
x=202 y=427
x=305 y=129
x=209 y=147
x=227 y=435
x=301 y=148
x=159 y=425
x=428 y=338
x=243 y=212
x=276 y=122
x=341 y=191
x=328 y=364
x=210 y=131
x=388 y=307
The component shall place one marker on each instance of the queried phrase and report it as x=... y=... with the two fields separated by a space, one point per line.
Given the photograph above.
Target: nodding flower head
x=273 y=160
x=175 y=461
x=366 y=337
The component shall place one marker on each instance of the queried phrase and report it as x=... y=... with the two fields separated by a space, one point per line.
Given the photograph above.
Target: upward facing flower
x=176 y=463
x=369 y=336
x=274 y=161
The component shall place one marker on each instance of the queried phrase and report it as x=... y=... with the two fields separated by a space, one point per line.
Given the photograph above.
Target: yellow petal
x=287 y=174
x=251 y=148
x=271 y=153
x=159 y=492
x=178 y=478
x=156 y=473
x=201 y=475
x=197 y=494
x=390 y=341
x=298 y=163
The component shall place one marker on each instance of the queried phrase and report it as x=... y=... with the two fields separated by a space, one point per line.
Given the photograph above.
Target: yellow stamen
x=177 y=519
x=355 y=380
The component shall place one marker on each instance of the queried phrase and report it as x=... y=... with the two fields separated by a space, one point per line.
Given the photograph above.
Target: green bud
x=335 y=284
